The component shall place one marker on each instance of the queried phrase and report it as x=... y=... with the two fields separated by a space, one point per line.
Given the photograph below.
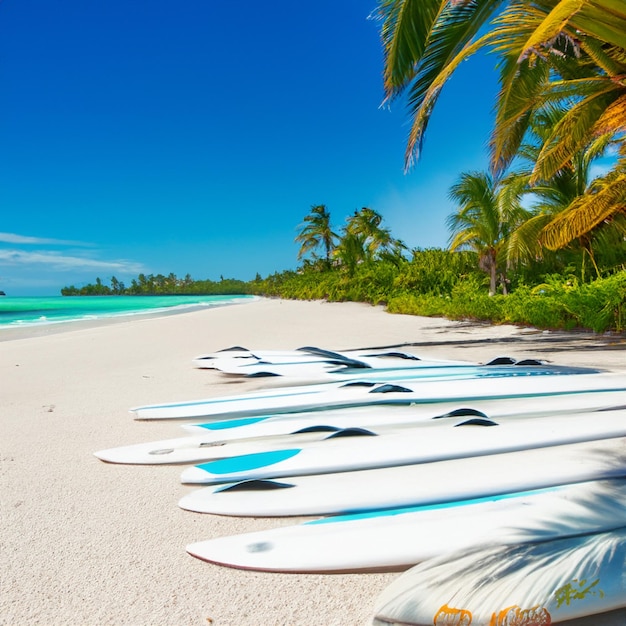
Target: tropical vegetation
x=539 y=236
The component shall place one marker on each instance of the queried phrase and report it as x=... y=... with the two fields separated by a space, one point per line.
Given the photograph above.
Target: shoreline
x=27 y=331
x=90 y=543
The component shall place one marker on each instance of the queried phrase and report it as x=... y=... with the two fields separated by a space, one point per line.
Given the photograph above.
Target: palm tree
x=364 y=239
x=571 y=51
x=554 y=197
x=367 y=223
x=315 y=233
x=351 y=251
x=425 y=41
x=489 y=210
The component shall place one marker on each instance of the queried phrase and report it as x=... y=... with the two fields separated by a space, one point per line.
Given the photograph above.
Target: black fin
x=463 y=412
x=254 y=485
x=477 y=421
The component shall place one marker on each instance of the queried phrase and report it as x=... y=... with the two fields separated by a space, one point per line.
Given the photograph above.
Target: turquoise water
x=31 y=311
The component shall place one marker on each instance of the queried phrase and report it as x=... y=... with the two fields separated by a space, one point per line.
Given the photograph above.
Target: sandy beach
x=90 y=543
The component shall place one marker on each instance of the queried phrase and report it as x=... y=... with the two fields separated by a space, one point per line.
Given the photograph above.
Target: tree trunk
x=492 y=276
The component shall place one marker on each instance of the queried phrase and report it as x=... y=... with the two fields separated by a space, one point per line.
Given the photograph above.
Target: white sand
x=88 y=543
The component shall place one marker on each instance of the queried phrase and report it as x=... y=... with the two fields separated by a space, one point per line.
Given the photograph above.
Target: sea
x=33 y=311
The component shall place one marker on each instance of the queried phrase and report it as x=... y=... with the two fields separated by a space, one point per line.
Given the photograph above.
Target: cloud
x=24 y=239
x=57 y=261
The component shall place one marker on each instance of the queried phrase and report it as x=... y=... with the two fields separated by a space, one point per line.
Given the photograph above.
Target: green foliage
x=161 y=285
x=435 y=271
x=560 y=302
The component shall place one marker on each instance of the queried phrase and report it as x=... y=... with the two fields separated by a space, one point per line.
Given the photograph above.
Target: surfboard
x=518 y=382
x=305 y=354
x=548 y=582
x=322 y=368
x=290 y=429
x=400 y=538
x=246 y=354
x=369 y=415
x=195 y=449
x=420 y=444
x=384 y=368
x=409 y=485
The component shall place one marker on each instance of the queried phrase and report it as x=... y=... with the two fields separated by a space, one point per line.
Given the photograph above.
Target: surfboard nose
x=195 y=475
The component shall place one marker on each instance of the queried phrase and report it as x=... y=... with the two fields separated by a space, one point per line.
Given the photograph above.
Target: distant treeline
x=159 y=284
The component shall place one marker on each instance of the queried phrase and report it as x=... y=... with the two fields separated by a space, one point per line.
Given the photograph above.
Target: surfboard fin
x=254 y=485
x=462 y=412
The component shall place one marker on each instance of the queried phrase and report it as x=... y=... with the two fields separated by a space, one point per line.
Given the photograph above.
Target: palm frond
x=404 y=33
x=425 y=66
x=604 y=20
x=587 y=212
x=613 y=118
x=552 y=25
x=524 y=244
x=611 y=60
x=422 y=102
x=571 y=134
x=521 y=92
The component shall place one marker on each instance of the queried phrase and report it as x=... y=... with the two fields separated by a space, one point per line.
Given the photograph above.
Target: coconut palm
x=555 y=196
x=351 y=251
x=425 y=41
x=364 y=239
x=571 y=51
x=377 y=239
x=367 y=223
x=316 y=233
x=489 y=210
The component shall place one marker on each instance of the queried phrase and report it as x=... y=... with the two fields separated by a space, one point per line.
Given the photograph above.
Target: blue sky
x=193 y=137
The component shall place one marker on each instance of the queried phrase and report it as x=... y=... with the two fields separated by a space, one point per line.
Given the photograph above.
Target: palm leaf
x=613 y=118
x=445 y=45
x=404 y=32
x=521 y=92
x=603 y=19
x=423 y=102
x=571 y=134
x=611 y=60
x=553 y=24
x=587 y=212
x=524 y=244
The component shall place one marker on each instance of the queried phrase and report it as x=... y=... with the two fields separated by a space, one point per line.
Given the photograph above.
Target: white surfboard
x=368 y=415
x=410 y=485
x=318 y=367
x=550 y=582
x=420 y=444
x=245 y=354
x=200 y=448
x=306 y=354
x=400 y=538
x=293 y=428
x=489 y=385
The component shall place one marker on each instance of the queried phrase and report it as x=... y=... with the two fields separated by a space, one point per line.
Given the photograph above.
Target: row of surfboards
x=416 y=461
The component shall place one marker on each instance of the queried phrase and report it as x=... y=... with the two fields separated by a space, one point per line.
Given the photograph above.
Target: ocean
x=37 y=311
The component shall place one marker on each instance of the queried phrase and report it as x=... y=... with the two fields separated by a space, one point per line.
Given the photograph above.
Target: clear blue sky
x=193 y=137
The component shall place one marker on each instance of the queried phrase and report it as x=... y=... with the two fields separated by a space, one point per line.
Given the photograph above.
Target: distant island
x=160 y=285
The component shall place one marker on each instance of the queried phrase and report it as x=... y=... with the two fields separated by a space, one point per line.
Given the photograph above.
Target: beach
x=90 y=543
